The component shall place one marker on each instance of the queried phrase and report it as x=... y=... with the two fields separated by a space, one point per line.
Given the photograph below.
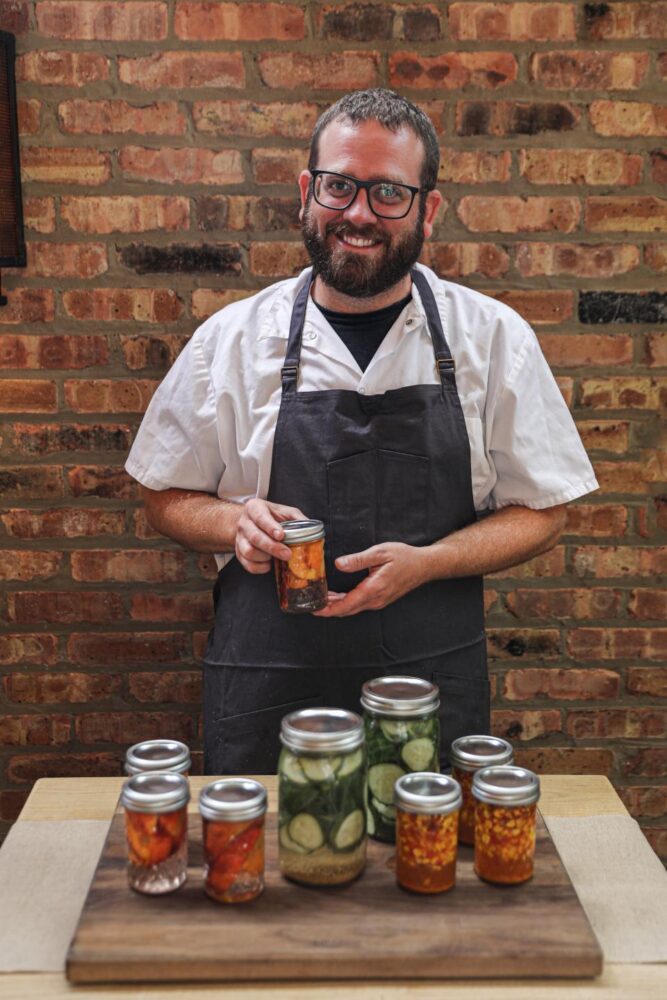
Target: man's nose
x=360 y=213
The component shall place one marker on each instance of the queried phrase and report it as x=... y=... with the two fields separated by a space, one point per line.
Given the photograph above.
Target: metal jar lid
x=157 y=755
x=297 y=532
x=400 y=697
x=322 y=730
x=233 y=800
x=160 y=792
x=428 y=793
x=469 y=753
x=506 y=786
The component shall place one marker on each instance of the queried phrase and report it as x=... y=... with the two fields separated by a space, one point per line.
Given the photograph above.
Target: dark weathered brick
x=182 y=258
x=623 y=307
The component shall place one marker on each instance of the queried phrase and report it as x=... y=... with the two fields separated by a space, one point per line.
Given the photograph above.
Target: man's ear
x=304 y=185
x=433 y=202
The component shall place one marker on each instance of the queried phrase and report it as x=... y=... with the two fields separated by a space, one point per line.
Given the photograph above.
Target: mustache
x=363 y=233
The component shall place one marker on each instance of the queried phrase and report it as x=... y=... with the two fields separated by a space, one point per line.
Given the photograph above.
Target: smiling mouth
x=358 y=242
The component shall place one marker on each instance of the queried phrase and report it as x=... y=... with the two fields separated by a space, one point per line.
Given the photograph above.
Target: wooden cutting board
x=369 y=929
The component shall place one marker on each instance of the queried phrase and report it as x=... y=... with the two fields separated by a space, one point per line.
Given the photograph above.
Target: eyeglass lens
x=386 y=199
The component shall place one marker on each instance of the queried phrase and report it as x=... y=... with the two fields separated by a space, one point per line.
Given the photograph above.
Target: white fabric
x=211 y=423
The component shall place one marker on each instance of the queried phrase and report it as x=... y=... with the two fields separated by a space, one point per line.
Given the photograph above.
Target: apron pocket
x=352 y=511
x=464 y=709
x=403 y=481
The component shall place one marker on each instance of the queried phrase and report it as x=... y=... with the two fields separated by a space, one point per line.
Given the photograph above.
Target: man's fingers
x=361 y=598
x=254 y=537
x=284 y=513
x=355 y=561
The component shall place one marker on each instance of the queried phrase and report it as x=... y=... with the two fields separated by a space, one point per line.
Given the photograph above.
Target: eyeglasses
x=385 y=198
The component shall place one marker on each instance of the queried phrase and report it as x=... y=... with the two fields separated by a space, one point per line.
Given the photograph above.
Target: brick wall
x=160 y=144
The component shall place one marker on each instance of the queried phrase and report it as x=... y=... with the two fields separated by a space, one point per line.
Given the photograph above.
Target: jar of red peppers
x=233 y=812
x=427 y=815
x=302 y=581
x=468 y=754
x=505 y=818
x=157 y=755
x=156 y=825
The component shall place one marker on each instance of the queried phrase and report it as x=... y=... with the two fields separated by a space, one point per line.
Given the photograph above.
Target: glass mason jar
x=402 y=735
x=468 y=754
x=302 y=582
x=233 y=812
x=158 y=755
x=156 y=825
x=321 y=777
x=505 y=817
x=427 y=817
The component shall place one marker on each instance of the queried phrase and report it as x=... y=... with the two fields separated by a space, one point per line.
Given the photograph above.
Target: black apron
x=390 y=467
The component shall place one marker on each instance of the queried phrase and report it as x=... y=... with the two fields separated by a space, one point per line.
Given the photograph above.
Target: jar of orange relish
x=467 y=755
x=427 y=815
x=505 y=817
x=302 y=580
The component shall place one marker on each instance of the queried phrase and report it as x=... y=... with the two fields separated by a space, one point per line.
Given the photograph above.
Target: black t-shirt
x=362 y=333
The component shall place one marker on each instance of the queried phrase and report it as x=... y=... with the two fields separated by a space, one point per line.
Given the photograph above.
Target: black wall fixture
x=12 y=241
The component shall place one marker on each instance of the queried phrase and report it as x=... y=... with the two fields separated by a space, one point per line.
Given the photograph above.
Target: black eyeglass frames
x=387 y=199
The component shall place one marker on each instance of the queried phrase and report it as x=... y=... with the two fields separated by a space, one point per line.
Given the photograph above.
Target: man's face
x=353 y=250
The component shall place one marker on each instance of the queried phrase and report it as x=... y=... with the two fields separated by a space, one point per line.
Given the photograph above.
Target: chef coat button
x=409 y=322
x=310 y=335
x=362 y=390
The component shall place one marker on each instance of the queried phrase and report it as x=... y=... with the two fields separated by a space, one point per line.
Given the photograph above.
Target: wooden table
x=570 y=795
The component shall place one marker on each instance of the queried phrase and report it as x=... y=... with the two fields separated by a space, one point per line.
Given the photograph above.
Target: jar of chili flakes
x=156 y=825
x=427 y=816
x=302 y=581
x=505 y=818
x=157 y=755
x=233 y=812
x=468 y=754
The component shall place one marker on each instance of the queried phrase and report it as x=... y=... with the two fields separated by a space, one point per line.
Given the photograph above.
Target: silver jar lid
x=429 y=793
x=157 y=755
x=469 y=753
x=297 y=532
x=506 y=786
x=160 y=792
x=322 y=730
x=233 y=799
x=400 y=697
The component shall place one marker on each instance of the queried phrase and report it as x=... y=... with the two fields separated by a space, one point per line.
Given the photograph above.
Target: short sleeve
x=532 y=440
x=177 y=444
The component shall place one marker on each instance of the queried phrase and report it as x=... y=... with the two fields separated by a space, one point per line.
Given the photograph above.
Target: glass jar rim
x=322 y=730
x=155 y=792
x=400 y=696
x=233 y=799
x=506 y=785
x=427 y=793
x=157 y=755
x=469 y=753
x=304 y=530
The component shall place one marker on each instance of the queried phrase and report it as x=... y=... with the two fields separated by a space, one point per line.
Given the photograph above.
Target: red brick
x=130 y=727
x=505 y=643
x=278 y=166
x=207 y=567
x=294 y=120
x=29 y=117
x=565 y=760
x=617 y=214
x=452 y=70
x=646 y=762
x=61 y=69
x=39 y=214
x=622 y=561
x=358 y=22
x=597 y=520
x=15 y=17
x=490 y=601
x=168 y=686
x=28 y=565
x=605 y=435
x=125 y=214
x=569 y=69
x=129 y=566
x=621 y=392
x=580 y=166
x=63 y=523
x=584 y=260
x=182 y=166
x=651 y=681
x=66 y=260
x=99 y=21
x=34 y=730
x=655 y=350
x=617 y=723
x=127 y=648
x=28 y=351
x=628 y=118
x=30 y=607
x=454 y=260
x=513 y=214
x=655 y=256
x=504 y=118
x=145 y=305
x=108 y=482
x=52 y=689
x=575 y=350
x=65 y=165
x=179 y=608
x=516 y=22
x=622 y=477
x=151 y=351
x=247 y=212
x=22 y=650
x=538 y=307
x=35 y=766
x=566 y=387
x=332 y=70
x=109 y=395
x=29 y=482
x=645 y=800
x=118 y=117
x=27 y=396
x=142 y=528
x=551 y=564
x=658 y=160
x=617 y=643
x=563 y=685
x=525 y=725
x=648 y=604
x=28 y=305
x=631 y=21
x=277 y=259
x=474 y=167
x=238 y=22
x=563 y=604
x=183 y=70
x=206 y=301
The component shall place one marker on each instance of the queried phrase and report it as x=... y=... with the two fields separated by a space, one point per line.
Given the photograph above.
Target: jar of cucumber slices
x=321 y=779
x=402 y=735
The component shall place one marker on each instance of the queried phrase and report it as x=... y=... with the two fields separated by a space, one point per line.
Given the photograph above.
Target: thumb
x=360 y=560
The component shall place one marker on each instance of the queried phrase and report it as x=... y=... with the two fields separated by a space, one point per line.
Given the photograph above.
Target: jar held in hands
x=301 y=580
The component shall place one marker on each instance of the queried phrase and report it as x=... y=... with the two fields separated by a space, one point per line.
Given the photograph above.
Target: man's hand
x=394 y=569
x=258 y=534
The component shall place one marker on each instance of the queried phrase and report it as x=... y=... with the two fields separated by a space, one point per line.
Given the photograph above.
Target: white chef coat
x=211 y=423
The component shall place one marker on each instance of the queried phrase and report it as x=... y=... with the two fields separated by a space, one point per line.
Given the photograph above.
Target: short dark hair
x=391 y=110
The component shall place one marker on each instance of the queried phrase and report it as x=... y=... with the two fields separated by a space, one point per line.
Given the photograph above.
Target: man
x=395 y=407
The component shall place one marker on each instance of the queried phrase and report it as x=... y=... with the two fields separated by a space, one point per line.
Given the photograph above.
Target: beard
x=356 y=274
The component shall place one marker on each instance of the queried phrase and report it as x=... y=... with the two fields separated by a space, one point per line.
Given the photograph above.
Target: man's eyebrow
x=375 y=178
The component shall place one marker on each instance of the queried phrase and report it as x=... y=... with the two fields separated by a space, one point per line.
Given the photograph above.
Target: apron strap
x=444 y=362
x=289 y=373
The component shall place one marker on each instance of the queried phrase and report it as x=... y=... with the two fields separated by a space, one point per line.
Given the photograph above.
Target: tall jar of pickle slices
x=468 y=754
x=156 y=825
x=402 y=735
x=321 y=777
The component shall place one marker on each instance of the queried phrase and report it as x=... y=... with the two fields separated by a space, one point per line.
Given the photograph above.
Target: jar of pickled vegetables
x=427 y=816
x=321 y=777
x=157 y=755
x=156 y=825
x=505 y=817
x=233 y=812
x=302 y=581
x=468 y=754
x=402 y=735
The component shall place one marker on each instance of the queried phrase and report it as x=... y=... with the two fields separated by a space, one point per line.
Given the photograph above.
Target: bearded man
x=415 y=417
